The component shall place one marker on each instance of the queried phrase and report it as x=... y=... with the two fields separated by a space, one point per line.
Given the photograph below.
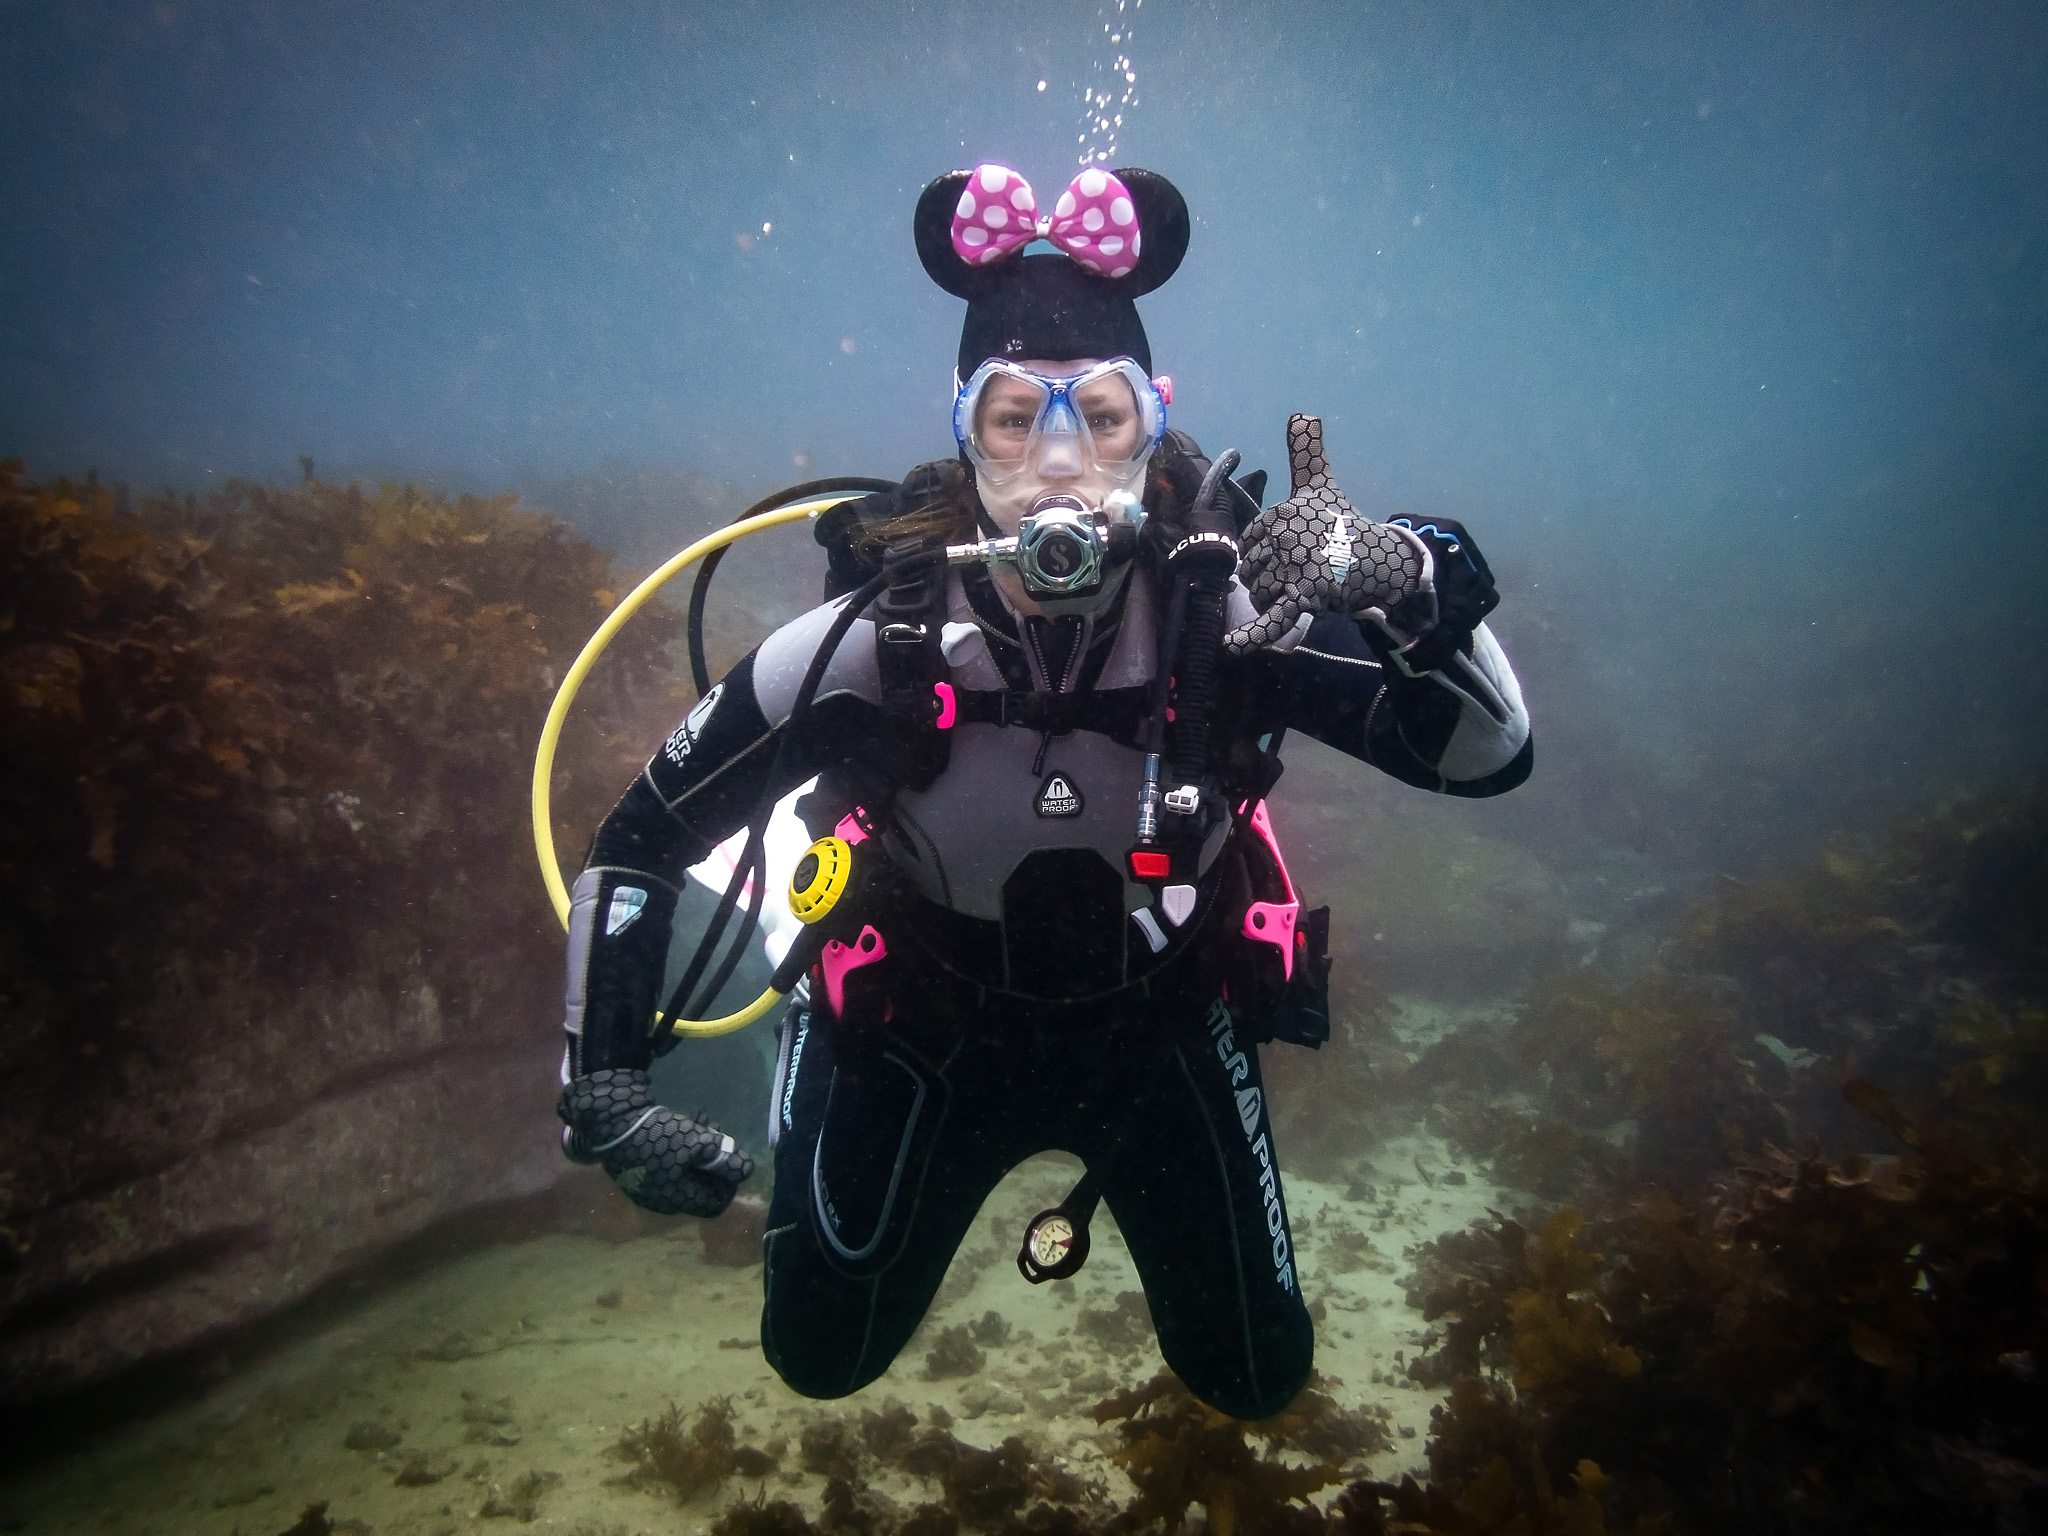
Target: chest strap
x=1118 y=713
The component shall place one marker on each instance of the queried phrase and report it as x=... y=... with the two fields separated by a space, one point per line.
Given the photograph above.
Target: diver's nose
x=1059 y=458
x=1059 y=445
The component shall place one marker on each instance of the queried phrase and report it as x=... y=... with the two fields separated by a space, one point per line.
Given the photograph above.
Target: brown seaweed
x=521 y=1500
x=1178 y=1451
x=955 y=1354
x=1122 y=1328
x=272 y=710
x=690 y=1458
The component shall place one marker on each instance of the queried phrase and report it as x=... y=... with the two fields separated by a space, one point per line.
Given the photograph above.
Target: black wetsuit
x=1027 y=1001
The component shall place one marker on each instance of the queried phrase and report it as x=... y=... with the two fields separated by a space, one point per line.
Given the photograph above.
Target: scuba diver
x=1044 y=701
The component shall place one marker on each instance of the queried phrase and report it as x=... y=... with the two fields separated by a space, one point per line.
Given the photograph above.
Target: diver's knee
x=1255 y=1390
x=802 y=1378
x=1269 y=1399
x=1246 y=1400
x=813 y=1326
x=820 y=1373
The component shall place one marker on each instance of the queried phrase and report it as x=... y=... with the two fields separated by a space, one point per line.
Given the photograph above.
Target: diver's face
x=1010 y=406
x=1084 y=451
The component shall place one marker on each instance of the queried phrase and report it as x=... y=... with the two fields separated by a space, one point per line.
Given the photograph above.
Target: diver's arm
x=725 y=761
x=1461 y=729
x=710 y=776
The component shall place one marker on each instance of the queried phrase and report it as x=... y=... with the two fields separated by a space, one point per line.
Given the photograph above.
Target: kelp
x=693 y=1456
x=1919 y=963
x=237 y=725
x=1789 y=1265
x=1178 y=1451
x=1825 y=1345
x=953 y=1355
x=233 y=698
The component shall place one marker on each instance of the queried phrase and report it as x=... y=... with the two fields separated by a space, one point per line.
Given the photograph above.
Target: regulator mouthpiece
x=1069 y=556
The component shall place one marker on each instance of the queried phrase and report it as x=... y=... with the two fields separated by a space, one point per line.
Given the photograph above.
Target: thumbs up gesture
x=1313 y=553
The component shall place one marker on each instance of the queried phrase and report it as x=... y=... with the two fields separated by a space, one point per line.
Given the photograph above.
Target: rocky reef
x=273 y=946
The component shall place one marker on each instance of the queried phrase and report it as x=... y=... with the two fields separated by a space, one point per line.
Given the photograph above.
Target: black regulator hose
x=754 y=859
x=1206 y=559
x=700 y=589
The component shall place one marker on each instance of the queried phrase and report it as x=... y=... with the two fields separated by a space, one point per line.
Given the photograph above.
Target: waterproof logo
x=1249 y=1103
x=684 y=736
x=1250 y=1109
x=796 y=1058
x=1057 y=796
x=627 y=902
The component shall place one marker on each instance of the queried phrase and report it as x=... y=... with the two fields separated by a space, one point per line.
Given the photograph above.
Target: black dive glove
x=1465 y=594
x=1313 y=553
x=664 y=1161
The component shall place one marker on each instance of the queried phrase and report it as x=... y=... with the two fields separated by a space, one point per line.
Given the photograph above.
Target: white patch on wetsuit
x=1492 y=720
x=628 y=901
x=684 y=736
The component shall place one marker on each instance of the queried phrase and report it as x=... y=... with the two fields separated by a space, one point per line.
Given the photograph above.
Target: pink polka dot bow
x=1094 y=221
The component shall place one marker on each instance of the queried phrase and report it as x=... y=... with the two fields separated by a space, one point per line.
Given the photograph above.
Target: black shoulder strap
x=909 y=620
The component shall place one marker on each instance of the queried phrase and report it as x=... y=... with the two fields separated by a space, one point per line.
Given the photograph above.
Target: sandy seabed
x=517 y=1368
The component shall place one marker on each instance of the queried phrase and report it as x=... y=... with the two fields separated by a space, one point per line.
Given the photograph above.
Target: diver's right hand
x=664 y=1161
x=1314 y=553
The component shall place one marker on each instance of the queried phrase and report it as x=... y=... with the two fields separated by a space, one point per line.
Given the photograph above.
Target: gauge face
x=1051 y=1239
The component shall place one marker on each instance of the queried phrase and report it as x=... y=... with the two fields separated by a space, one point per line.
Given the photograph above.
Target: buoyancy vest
x=1070 y=922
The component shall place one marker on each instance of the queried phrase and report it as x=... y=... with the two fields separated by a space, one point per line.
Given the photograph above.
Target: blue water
x=1723 y=328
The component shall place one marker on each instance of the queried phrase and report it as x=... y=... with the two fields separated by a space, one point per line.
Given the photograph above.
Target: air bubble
x=1114 y=86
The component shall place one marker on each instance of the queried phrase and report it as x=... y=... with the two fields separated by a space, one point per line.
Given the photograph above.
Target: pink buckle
x=947 y=709
x=1272 y=922
x=848 y=831
x=840 y=958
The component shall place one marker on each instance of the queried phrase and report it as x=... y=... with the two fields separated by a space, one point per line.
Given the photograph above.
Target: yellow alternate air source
x=551 y=732
x=820 y=879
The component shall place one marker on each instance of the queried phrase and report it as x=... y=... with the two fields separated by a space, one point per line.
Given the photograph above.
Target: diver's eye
x=1106 y=421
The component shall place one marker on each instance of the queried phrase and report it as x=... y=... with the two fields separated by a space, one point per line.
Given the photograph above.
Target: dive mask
x=1101 y=423
x=1064 y=457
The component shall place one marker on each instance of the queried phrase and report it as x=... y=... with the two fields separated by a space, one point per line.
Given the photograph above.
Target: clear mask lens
x=1105 y=420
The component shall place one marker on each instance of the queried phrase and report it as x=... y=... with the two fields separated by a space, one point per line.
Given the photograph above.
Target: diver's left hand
x=671 y=1164
x=1313 y=553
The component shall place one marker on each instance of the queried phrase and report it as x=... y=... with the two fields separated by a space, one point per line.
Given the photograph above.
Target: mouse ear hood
x=1117 y=234
x=1163 y=216
x=932 y=226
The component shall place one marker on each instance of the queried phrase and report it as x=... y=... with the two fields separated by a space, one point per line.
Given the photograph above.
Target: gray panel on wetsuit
x=959 y=848
x=784 y=657
x=965 y=835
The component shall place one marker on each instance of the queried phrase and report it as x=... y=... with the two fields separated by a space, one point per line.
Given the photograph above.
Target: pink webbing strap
x=1272 y=922
x=839 y=959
